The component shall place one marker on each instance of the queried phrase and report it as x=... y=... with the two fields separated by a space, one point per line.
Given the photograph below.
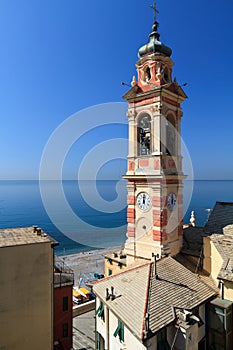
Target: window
x=65 y=330
x=120 y=265
x=100 y=311
x=65 y=304
x=100 y=342
x=166 y=75
x=146 y=74
x=144 y=135
x=170 y=136
x=120 y=331
x=109 y=272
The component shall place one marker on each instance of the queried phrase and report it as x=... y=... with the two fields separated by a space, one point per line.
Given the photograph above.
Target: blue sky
x=58 y=57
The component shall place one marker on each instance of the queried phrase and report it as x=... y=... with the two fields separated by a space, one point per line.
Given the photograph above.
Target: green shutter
x=120 y=265
x=100 y=311
x=122 y=337
x=117 y=330
x=120 y=331
x=97 y=311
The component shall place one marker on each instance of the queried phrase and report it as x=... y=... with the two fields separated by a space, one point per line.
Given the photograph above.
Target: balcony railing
x=63 y=275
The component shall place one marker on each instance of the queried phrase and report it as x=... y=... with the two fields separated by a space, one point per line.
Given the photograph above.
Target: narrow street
x=84 y=331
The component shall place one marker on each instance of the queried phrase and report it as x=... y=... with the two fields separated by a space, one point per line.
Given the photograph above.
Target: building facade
x=155 y=202
x=154 y=173
x=63 y=306
x=26 y=294
x=35 y=294
x=208 y=251
x=159 y=305
x=186 y=305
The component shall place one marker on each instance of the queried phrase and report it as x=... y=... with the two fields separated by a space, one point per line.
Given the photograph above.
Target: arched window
x=170 y=135
x=166 y=75
x=144 y=135
x=146 y=74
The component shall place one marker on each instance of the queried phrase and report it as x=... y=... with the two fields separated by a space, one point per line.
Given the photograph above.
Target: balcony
x=63 y=275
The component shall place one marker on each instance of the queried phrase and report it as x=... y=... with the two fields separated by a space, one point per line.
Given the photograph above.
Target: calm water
x=85 y=217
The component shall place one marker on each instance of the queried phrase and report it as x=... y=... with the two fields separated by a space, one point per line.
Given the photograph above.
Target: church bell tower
x=154 y=173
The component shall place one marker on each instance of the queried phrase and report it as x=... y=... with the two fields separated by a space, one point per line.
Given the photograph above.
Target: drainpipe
x=107 y=329
x=95 y=327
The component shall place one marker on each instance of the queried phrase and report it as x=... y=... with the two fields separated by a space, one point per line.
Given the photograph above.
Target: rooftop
x=23 y=235
x=195 y=267
x=192 y=240
x=138 y=292
x=131 y=288
x=221 y=216
x=224 y=243
x=175 y=288
x=219 y=228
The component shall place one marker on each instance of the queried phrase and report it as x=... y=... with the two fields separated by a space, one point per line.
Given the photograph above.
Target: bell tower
x=154 y=173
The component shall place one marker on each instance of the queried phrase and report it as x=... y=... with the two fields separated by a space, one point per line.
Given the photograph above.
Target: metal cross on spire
x=155 y=10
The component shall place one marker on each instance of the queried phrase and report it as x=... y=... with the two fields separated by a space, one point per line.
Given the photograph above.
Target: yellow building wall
x=113 y=266
x=212 y=259
x=213 y=263
x=26 y=297
x=228 y=290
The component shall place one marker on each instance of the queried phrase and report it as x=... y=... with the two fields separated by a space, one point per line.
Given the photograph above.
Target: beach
x=85 y=264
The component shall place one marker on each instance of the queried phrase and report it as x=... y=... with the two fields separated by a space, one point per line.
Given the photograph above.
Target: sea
x=86 y=215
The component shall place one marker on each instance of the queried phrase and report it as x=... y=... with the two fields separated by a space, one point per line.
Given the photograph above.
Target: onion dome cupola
x=154 y=46
x=155 y=65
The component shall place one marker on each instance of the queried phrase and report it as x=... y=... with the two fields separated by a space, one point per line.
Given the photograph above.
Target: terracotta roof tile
x=137 y=291
x=175 y=287
x=23 y=235
x=192 y=240
x=130 y=289
x=224 y=244
x=221 y=216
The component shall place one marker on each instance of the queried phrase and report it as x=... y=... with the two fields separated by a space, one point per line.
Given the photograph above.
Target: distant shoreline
x=86 y=263
x=90 y=252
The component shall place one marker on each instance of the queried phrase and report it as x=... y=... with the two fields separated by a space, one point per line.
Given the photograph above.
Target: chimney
x=155 y=256
x=112 y=293
x=107 y=294
x=34 y=228
x=39 y=231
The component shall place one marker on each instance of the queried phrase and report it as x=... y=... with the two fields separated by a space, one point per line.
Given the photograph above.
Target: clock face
x=143 y=201
x=171 y=200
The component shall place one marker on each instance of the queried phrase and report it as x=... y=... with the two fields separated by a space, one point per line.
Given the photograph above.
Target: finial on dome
x=193 y=219
x=155 y=10
x=156 y=23
x=154 y=45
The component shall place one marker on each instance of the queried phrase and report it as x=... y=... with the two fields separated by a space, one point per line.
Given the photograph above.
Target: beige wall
x=112 y=266
x=26 y=275
x=192 y=337
x=213 y=263
x=107 y=328
x=212 y=259
x=228 y=290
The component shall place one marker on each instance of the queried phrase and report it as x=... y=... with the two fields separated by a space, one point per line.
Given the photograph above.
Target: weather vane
x=155 y=10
